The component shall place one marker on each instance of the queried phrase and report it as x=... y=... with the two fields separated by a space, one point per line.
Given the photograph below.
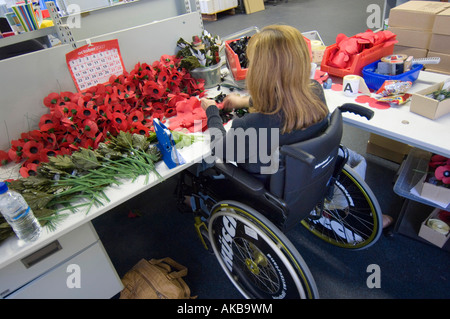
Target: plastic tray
x=359 y=61
x=375 y=81
x=234 y=65
x=410 y=173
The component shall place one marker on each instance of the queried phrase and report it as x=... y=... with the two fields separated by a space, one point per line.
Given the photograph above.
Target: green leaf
x=85 y=159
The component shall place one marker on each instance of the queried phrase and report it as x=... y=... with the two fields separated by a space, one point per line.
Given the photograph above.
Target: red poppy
x=49 y=140
x=138 y=128
x=46 y=152
x=28 y=170
x=135 y=117
x=126 y=90
x=438 y=160
x=442 y=173
x=67 y=96
x=15 y=153
x=87 y=113
x=154 y=90
x=48 y=123
x=4 y=158
x=31 y=148
x=52 y=99
x=163 y=77
x=65 y=140
x=168 y=60
x=119 y=121
x=171 y=111
x=90 y=128
x=34 y=159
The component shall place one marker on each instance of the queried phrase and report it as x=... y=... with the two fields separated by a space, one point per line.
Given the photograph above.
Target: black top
x=255 y=136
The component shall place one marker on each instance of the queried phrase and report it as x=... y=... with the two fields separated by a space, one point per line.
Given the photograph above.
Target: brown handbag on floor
x=156 y=279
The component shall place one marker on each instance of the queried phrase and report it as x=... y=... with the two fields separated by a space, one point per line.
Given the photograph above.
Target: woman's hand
x=207 y=103
x=235 y=101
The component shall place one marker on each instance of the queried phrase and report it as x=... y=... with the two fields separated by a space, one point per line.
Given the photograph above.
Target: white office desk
x=398 y=123
x=79 y=240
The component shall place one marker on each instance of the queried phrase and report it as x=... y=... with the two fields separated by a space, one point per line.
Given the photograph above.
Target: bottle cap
x=3 y=187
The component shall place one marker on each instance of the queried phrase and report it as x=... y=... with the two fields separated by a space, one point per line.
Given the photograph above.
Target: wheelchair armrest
x=242 y=177
x=297 y=154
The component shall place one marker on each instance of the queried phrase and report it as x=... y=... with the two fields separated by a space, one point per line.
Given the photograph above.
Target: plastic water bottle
x=18 y=214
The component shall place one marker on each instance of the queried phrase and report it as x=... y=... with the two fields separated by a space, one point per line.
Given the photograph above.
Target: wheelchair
x=243 y=220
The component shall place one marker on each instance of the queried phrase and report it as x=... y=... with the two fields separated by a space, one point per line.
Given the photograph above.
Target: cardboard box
x=415 y=52
x=444 y=64
x=417 y=15
x=252 y=6
x=438 y=238
x=386 y=148
x=440 y=43
x=209 y=6
x=442 y=23
x=428 y=107
x=412 y=38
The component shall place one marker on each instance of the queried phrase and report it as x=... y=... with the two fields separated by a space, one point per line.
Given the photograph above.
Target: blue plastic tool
x=166 y=145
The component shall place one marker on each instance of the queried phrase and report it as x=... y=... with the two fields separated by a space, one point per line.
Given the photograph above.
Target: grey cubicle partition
x=26 y=80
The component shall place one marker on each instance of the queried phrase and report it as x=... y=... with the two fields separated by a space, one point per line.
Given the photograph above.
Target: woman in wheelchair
x=289 y=168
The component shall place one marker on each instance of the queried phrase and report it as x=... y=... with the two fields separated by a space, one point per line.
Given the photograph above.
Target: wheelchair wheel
x=256 y=256
x=352 y=218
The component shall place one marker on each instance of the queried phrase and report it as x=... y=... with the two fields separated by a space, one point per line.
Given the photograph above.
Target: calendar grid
x=94 y=64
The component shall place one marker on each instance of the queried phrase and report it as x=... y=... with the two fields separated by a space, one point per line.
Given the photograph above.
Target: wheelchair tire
x=256 y=256
x=352 y=218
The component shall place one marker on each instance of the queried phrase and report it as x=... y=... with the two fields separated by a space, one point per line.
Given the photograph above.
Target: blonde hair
x=278 y=77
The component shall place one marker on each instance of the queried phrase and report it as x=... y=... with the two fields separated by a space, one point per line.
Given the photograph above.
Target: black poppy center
x=33 y=150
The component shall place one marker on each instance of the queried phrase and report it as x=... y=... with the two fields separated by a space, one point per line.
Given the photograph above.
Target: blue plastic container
x=375 y=81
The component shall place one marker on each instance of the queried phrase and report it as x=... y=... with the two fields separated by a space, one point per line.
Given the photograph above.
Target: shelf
x=26 y=36
x=410 y=174
x=411 y=217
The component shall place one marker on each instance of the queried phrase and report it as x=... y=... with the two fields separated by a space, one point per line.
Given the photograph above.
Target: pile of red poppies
x=128 y=103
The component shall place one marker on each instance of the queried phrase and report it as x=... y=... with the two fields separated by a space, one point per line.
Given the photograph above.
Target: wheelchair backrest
x=305 y=169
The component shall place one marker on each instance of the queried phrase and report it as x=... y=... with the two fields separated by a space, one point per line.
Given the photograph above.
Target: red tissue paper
x=350 y=46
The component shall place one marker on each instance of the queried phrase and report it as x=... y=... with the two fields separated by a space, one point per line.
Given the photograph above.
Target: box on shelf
x=440 y=43
x=428 y=107
x=252 y=6
x=214 y=6
x=428 y=230
x=418 y=15
x=208 y=6
x=386 y=148
x=431 y=192
x=442 y=22
x=443 y=66
x=411 y=38
x=415 y=52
